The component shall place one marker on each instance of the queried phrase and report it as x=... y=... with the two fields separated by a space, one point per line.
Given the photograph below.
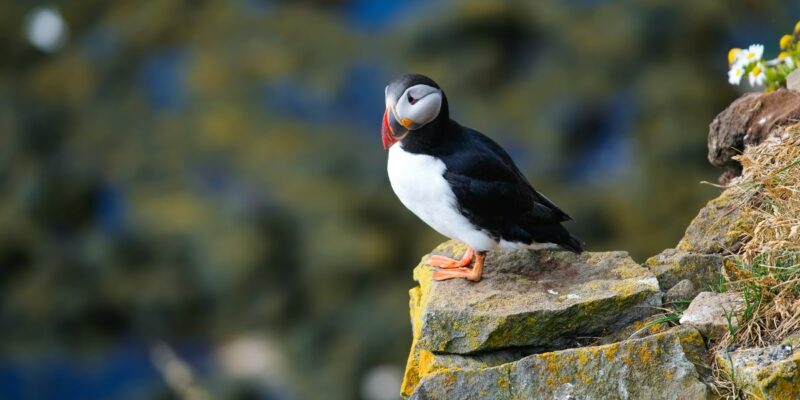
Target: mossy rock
x=770 y=373
x=675 y=265
x=659 y=366
x=527 y=299
x=636 y=330
x=531 y=298
x=718 y=228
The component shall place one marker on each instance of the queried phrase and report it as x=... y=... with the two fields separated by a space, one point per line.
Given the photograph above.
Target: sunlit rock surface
x=659 y=366
x=530 y=298
x=528 y=302
x=683 y=291
x=717 y=228
x=770 y=373
x=713 y=314
x=716 y=231
x=672 y=266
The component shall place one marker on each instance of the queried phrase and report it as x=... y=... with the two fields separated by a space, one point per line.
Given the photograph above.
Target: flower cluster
x=760 y=72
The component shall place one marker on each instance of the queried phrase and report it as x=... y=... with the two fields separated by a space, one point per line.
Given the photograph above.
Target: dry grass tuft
x=766 y=269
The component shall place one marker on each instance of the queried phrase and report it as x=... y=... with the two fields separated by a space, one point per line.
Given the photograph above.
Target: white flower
x=757 y=76
x=735 y=74
x=752 y=54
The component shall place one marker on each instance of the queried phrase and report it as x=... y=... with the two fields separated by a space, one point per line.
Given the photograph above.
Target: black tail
x=554 y=233
x=572 y=244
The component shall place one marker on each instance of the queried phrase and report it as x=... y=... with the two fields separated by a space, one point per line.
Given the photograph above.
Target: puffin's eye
x=411 y=99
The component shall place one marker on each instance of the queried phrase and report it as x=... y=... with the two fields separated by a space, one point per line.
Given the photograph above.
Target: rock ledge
x=528 y=302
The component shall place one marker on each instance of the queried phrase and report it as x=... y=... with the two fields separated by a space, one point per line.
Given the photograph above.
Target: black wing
x=495 y=196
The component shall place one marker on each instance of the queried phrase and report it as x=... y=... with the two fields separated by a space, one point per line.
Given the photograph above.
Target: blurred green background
x=194 y=200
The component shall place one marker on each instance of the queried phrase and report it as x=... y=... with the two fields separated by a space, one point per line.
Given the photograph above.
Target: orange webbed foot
x=473 y=274
x=449 y=263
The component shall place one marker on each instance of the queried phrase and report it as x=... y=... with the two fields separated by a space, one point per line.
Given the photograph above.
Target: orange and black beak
x=391 y=131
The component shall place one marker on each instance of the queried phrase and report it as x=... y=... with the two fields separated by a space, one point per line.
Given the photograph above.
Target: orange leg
x=449 y=263
x=473 y=274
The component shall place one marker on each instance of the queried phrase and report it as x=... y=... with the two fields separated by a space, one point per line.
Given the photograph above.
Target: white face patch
x=420 y=104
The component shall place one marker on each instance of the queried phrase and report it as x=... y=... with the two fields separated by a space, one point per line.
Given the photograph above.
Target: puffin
x=461 y=183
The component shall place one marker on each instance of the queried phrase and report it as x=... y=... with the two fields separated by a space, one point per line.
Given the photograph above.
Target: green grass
x=721 y=286
x=671 y=315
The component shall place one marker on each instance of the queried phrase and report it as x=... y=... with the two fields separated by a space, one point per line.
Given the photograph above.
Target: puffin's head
x=412 y=101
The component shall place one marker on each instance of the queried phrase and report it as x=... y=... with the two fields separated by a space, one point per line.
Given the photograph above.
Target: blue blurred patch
x=375 y=15
x=360 y=100
x=604 y=150
x=112 y=209
x=292 y=99
x=12 y=382
x=213 y=178
x=161 y=77
x=754 y=32
x=124 y=372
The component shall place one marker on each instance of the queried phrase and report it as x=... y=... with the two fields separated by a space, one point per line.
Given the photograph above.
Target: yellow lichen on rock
x=418 y=360
x=528 y=298
x=766 y=373
x=652 y=367
x=673 y=265
x=644 y=354
x=524 y=299
x=717 y=226
x=610 y=350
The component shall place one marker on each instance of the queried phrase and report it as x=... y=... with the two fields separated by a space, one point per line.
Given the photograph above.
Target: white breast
x=418 y=182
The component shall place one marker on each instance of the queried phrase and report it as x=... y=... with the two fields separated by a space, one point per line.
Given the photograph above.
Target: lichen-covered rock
x=656 y=367
x=713 y=314
x=537 y=300
x=674 y=265
x=532 y=298
x=426 y=362
x=771 y=373
x=717 y=228
x=747 y=122
x=684 y=290
x=636 y=330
